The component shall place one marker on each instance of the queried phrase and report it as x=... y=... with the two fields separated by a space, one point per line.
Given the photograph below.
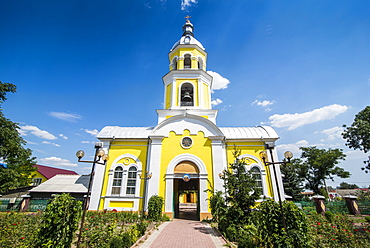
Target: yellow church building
x=184 y=154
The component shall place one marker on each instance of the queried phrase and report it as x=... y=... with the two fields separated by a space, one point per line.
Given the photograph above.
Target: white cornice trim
x=187 y=46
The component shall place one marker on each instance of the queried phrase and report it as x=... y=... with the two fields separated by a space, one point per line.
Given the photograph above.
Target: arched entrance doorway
x=186 y=191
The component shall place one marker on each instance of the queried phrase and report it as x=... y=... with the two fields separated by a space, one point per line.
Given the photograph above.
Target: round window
x=186 y=142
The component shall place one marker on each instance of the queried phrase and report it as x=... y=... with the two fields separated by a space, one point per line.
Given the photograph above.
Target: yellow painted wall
x=37 y=174
x=180 y=52
x=168 y=96
x=138 y=149
x=251 y=148
x=121 y=204
x=171 y=147
x=207 y=102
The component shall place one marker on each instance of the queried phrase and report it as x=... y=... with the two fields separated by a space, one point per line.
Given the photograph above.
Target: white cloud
x=87 y=142
x=25 y=130
x=50 y=143
x=333 y=133
x=65 y=116
x=264 y=103
x=357 y=154
x=293 y=121
x=187 y=3
x=294 y=148
x=216 y=102
x=93 y=132
x=267 y=109
x=54 y=161
x=219 y=82
x=63 y=136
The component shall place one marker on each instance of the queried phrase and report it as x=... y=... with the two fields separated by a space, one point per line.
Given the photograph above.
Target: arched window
x=117 y=181
x=174 y=63
x=187 y=95
x=131 y=181
x=256 y=173
x=187 y=61
x=200 y=63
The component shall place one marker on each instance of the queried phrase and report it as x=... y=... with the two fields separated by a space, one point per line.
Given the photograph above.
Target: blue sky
x=302 y=67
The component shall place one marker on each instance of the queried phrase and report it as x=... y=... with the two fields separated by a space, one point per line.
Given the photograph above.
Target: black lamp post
x=288 y=155
x=99 y=158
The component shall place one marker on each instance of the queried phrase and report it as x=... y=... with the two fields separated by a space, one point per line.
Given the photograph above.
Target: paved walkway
x=185 y=234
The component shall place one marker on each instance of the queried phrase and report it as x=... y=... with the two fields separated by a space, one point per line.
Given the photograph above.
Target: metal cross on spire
x=187 y=18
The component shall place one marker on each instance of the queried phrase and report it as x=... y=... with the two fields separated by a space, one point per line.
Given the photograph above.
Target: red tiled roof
x=49 y=172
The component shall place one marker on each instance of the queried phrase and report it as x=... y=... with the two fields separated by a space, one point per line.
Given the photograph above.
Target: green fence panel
x=38 y=205
x=364 y=207
x=6 y=206
x=337 y=207
x=307 y=207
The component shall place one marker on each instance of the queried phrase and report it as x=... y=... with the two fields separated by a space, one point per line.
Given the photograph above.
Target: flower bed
x=101 y=229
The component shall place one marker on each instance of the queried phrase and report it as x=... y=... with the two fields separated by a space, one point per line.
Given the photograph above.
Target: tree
x=358 y=134
x=59 y=222
x=17 y=161
x=241 y=193
x=316 y=165
x=292 y=181
x=344 y=185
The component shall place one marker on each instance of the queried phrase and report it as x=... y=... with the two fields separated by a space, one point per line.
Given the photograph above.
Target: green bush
x=232 y=233
x=59 y=222
x=217 y=205
x=102 y=227
x=268 y=221
x=155 y=205
x=165 y=218
x=141 y=227
x=329 y=216
x=367 y=218
x=126 y=240
x=116 y=242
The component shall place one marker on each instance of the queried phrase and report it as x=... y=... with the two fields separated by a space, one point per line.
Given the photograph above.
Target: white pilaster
x=278 y=178
x=153 y=166
x=203 y=202
x=218 y=161
x=168 y=208
x=98 y=180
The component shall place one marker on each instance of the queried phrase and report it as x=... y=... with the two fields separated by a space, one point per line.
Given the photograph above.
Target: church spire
x=188 y=27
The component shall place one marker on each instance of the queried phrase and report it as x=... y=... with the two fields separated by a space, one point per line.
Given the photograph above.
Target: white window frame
x=137 y=164
x=260 y=166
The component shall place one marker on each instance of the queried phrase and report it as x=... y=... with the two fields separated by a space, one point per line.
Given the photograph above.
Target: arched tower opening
x=187 y=61
x=200 y=63
x=174 y=63
x=187 y=95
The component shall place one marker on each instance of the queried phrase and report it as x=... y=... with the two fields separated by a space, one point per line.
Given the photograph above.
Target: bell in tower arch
x=187 y=95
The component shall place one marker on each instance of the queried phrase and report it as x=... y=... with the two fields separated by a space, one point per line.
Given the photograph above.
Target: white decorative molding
x=125 y=167
x=203 y=177
x=186 y=157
